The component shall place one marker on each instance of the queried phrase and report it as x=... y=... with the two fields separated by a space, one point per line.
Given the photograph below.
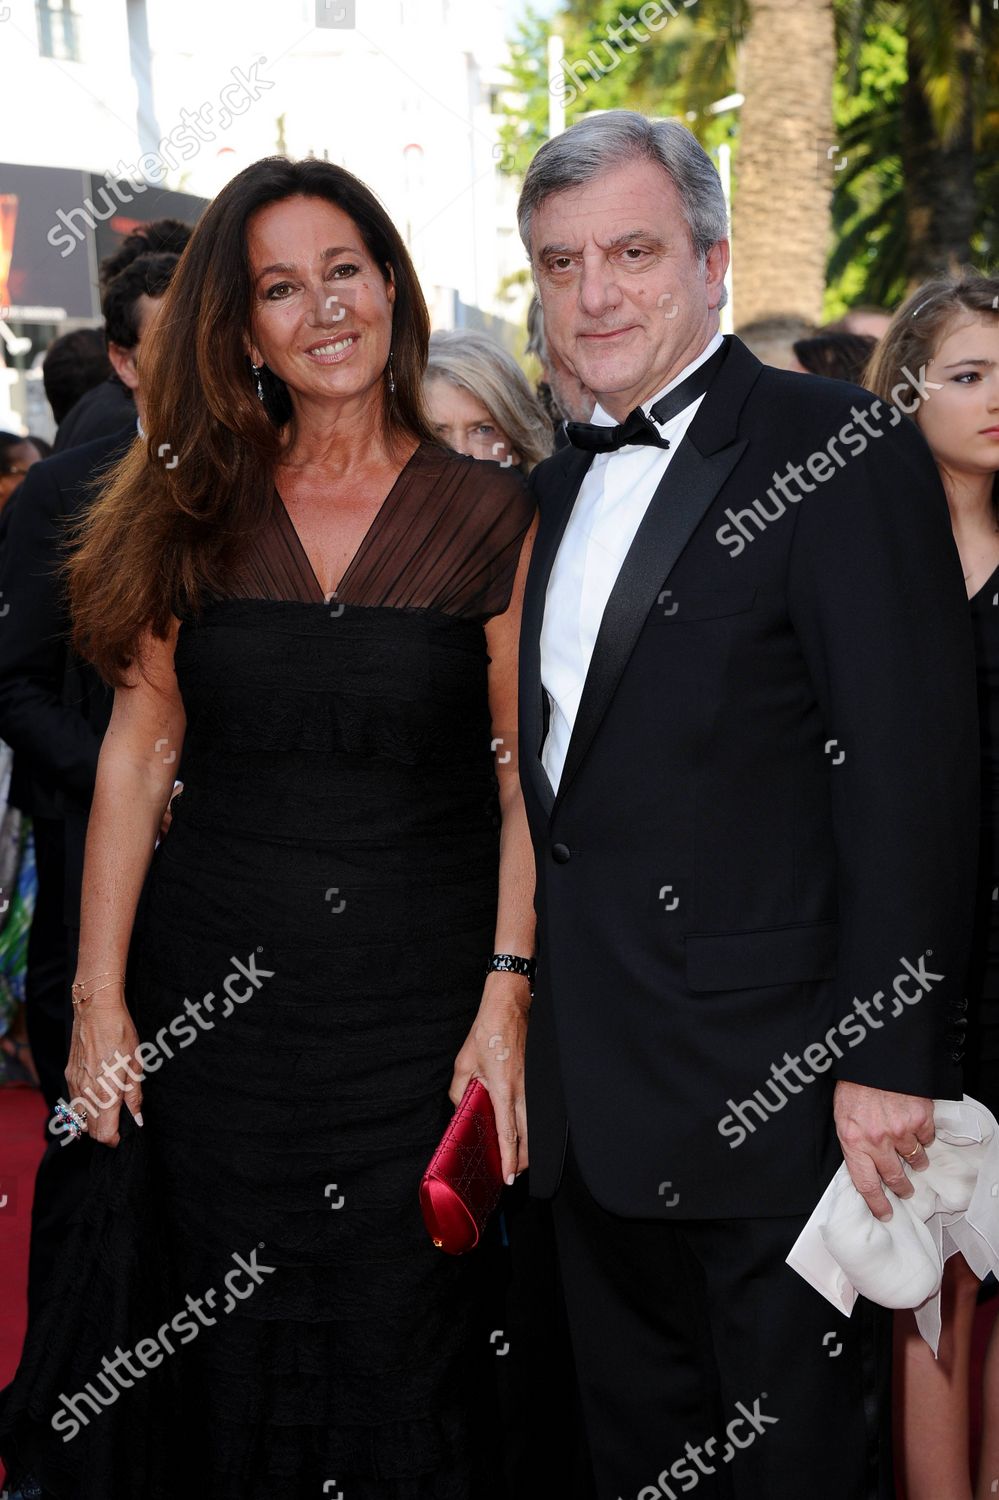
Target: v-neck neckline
x=984 y=586
x=362 y=544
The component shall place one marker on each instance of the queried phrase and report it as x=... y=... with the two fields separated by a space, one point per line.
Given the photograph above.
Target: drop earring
x=256 y=370
x=391 y=377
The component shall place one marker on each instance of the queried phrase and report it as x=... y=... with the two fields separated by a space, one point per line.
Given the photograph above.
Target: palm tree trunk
x=786 y=159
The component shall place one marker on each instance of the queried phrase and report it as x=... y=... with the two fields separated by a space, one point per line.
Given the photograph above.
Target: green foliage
x=606 y=66
x=867 y=263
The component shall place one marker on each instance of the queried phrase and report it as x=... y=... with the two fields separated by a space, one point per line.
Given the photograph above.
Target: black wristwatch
x=511 y=963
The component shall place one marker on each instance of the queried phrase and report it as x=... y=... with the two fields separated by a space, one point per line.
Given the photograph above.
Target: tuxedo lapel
x=679 y=503
x=555 y=509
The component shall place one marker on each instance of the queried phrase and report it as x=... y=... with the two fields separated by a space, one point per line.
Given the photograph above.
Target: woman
x=17 y=858
x=313 y=608
x=480 y=402
x=17 y=454
x=948 y=331
x=18 y=889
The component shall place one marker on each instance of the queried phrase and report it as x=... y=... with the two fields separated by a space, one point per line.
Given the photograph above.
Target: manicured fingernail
x=137 y=1118
x=511 y=1180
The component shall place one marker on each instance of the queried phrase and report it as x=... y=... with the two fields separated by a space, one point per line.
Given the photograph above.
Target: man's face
x=626 y=305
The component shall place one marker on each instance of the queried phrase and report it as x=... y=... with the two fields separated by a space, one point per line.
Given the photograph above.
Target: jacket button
x=561 y=854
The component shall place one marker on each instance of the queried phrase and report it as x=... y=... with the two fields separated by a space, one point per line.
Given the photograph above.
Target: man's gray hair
x=599 y=142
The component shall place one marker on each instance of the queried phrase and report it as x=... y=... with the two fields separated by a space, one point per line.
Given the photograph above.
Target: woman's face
x=960 y=421
x=322 y=308
x=17 y=461
x=461 y=421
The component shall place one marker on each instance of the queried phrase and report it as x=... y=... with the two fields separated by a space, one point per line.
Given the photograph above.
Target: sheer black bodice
x=447 y=537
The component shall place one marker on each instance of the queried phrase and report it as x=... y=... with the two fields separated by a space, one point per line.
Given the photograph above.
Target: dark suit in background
x=54 y=710
x=100 y=412
x=768 y=806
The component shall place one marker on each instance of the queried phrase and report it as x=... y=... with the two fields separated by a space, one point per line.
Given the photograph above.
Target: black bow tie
x=637 y=428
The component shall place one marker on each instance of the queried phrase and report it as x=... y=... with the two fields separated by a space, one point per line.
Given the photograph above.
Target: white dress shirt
x=613 y=498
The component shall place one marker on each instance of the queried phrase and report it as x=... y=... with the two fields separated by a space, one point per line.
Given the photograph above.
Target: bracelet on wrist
x=512 y=963
x=81 y=991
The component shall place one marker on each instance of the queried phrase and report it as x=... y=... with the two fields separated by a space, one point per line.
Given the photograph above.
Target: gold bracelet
x=81 y=984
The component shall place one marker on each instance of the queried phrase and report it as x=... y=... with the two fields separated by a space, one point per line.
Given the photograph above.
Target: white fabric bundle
x=845 y=1252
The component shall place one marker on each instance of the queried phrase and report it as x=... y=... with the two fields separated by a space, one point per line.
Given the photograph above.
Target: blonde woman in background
x=947 y=336
x=481 y=403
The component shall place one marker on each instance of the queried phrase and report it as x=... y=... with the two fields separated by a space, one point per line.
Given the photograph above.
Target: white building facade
x=182 y=94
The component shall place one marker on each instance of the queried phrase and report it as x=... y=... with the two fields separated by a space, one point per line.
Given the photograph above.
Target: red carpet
x=22 y=1119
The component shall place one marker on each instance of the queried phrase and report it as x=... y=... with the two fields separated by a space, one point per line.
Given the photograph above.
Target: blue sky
x=515 y=9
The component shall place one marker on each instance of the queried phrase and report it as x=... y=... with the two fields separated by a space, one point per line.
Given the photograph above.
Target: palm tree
x=781 y=218
x=920 y=191
x=938 y=136
x=916 y=179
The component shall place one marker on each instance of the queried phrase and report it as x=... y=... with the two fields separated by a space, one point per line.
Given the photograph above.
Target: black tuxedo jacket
x=768 y=808
x=54 y=708
x=100 y=412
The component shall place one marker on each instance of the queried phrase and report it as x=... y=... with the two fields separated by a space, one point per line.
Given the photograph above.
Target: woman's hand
x=102 y=1070
x=494 y=1053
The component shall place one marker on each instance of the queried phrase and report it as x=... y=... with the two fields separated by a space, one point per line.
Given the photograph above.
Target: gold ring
x=907 y=1156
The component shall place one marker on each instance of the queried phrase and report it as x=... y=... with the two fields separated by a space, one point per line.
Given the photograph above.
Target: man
x=75 y=364
x=107 y=406
x=560 y=393
x=54 y=710
x=86 y=396
x=749 y=759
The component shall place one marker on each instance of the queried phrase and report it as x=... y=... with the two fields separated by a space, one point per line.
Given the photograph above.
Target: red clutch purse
x=463 y=1182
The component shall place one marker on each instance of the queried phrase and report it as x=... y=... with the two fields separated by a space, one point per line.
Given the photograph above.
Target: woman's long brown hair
x=171 y=514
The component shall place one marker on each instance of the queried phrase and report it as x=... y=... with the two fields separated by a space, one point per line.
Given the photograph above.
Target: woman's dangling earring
x=256 y=370
x=391 y=377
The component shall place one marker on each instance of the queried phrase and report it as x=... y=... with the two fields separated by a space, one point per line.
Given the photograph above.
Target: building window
x=58 y=30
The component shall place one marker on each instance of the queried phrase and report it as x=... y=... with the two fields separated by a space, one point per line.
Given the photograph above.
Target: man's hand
x=876 y=1129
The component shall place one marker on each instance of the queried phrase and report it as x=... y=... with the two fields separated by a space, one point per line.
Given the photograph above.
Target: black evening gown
x=982 y=1042
x=308 y=960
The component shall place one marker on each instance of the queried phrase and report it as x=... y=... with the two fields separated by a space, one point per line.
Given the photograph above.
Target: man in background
x=106 y=406
x=54 y=710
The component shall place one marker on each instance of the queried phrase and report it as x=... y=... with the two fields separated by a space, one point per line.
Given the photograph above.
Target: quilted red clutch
x=463 y=1182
